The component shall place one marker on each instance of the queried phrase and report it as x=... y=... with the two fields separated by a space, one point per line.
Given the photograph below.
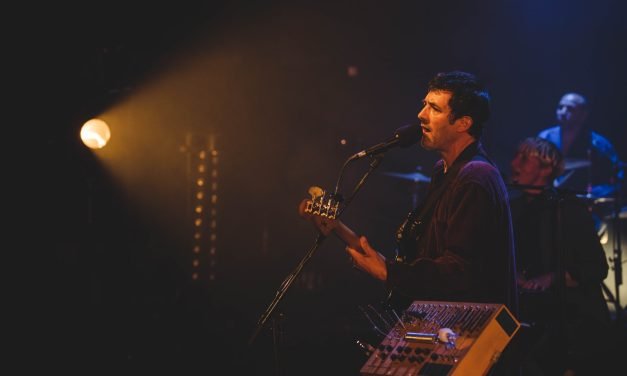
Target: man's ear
x=463 y=124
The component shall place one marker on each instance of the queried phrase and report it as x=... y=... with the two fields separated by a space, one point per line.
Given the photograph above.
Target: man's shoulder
x=549 y=132
x=602 y=144
x=475 y=169
x=481 y=176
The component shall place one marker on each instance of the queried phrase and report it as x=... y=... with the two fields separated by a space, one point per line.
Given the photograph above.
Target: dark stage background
x=272 y=84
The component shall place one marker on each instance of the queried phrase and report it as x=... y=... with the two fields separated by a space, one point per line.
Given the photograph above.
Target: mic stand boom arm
x=287 y=282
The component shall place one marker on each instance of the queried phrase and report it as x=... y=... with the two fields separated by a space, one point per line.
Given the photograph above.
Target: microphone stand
x=560 y=272
x=287 y=282
x=376 y=161
x=555 y=197
x=276 y=335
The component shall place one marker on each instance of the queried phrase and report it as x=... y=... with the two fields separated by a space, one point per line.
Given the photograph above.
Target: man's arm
x=364 y=256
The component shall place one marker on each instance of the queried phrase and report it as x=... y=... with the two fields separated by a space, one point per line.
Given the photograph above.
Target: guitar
x=322 y=211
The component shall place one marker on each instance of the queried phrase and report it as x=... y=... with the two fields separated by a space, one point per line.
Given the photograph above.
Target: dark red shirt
x=466 y=250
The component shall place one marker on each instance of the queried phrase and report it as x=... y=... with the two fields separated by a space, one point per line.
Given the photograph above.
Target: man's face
x=528 y=170
x=570 y=111
x=437 y=131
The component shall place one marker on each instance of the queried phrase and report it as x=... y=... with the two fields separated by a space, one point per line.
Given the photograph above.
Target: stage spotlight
x=95 y=133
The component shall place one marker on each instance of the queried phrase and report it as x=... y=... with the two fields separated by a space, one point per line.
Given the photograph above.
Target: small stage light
x=95 y=134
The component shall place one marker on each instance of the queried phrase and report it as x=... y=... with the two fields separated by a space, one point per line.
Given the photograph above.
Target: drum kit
x=610 y=215
x=417 y=180
x=603 y=200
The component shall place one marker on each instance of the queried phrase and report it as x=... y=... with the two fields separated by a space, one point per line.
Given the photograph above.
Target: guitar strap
x=408 y=233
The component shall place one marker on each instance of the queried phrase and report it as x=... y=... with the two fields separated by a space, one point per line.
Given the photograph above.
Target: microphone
x=404 y=136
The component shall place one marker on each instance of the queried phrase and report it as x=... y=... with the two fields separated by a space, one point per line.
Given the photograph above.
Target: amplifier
x=443 y=338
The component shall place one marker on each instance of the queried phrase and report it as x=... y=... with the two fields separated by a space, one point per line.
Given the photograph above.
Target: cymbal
x=600 y=194
x=603 y=190
x=595 y=200
x=575 y=163
x=411 y=176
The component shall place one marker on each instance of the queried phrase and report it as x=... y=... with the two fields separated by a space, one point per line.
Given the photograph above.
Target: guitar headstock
x=321 y=203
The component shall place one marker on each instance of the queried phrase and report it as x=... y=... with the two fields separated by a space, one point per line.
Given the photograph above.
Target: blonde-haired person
x=561 y=266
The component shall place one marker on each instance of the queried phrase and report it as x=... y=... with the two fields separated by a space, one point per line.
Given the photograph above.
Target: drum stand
x=616 y=260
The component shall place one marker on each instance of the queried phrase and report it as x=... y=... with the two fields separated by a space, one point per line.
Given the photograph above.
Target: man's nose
x=421 y=116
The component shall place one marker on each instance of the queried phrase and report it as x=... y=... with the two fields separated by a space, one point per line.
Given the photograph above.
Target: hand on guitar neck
x=322 y=214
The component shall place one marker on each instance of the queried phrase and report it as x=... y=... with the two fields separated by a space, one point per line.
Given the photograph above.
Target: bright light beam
x=95 y=133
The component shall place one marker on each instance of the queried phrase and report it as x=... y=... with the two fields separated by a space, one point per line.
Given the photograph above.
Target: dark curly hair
x=469 y=98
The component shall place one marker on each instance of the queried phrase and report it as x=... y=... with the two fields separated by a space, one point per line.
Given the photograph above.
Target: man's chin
x=425 y=144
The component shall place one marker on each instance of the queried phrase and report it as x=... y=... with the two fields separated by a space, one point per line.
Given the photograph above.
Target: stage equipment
x=444 y=338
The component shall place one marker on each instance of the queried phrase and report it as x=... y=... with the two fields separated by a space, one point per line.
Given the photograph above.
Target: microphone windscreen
x=408 y=134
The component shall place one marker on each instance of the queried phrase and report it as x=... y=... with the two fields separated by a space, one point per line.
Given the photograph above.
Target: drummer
x=591 y=161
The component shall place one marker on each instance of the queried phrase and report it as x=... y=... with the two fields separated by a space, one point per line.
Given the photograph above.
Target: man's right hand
x=368 y=259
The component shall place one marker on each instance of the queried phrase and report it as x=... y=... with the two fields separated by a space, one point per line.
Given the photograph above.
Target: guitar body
x=407 y=250
x=408 y=235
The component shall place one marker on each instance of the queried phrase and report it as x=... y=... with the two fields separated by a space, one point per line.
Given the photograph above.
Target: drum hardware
x=419 y=180
x=575 y=163
x=415 y=177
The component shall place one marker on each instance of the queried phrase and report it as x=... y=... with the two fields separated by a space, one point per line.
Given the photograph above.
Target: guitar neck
x=348 y=236
x=322 y=211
